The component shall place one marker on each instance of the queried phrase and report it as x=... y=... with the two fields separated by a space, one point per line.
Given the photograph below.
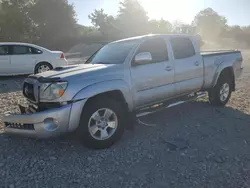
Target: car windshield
x=113 y=53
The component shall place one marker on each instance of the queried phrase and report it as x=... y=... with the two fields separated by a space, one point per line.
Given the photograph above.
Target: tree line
x=53 y=24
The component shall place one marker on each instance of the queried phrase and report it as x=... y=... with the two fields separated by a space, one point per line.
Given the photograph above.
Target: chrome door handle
x=196 y=63
x=168 y=68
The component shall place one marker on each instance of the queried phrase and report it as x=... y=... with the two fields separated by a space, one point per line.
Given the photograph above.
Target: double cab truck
x=124 y=78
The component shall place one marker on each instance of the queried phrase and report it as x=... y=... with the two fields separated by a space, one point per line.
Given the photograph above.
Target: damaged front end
x=35 y=122
x=42 y=119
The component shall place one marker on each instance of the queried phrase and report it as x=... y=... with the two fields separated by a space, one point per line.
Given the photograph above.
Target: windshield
x=113 y=53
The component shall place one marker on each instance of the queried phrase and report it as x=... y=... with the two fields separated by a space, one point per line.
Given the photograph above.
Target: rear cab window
x=182 y=47
x=157 y=47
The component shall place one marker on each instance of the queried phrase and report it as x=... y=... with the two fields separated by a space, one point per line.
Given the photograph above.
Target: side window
x=157 y=47
x=4 y=50
x=182 y=48
x=36 y=51
x=21 y=50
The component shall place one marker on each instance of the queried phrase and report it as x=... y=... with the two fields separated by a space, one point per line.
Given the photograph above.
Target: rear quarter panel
x=52 y=58
x=214 y=64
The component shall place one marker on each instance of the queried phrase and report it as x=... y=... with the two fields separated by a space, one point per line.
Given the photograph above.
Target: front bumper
x=45 y=124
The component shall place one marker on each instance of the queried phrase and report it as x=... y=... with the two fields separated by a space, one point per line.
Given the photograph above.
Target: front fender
x=105 y=86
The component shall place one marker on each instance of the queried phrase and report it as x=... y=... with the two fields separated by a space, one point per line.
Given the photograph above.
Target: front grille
x=19 y=126
x=28 y=91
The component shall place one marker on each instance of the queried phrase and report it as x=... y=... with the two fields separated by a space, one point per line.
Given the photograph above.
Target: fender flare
x=106 y=86
x=222 y=66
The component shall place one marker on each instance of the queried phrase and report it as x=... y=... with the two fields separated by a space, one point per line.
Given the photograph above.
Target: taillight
x=241 y=58
x=62 y=56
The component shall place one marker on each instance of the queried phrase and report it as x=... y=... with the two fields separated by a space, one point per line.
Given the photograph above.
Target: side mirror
x=143 y=58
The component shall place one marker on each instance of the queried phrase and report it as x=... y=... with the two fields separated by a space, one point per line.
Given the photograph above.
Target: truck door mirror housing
x=143 y=58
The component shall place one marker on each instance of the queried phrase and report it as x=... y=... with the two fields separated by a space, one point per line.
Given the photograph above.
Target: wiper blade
x=102 y=63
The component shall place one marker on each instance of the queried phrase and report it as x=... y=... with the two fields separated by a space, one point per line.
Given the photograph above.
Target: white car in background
x=23 y=58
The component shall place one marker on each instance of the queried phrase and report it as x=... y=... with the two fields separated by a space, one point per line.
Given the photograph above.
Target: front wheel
x=102 y=123
x=221 y=93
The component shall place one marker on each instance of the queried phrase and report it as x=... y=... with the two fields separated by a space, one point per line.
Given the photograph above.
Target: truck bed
x=212 y=59
x=218 y=52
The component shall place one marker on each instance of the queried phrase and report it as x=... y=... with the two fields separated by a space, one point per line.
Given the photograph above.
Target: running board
x=171 y=103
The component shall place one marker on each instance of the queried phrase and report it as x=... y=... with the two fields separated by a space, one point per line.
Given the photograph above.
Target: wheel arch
x=79 y=107
x=42 y=62
x=226 y=71
x=115 y=89
x=116 y=95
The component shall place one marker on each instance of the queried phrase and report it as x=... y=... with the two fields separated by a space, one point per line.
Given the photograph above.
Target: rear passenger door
x=4 y=60
x=188 y=65
x=23 y=59
x=153 y=81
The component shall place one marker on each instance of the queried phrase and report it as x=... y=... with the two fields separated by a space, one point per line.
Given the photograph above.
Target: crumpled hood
x=72 y=70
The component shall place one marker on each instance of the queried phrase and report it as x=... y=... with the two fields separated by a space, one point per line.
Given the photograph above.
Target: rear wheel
x=43 y=67
x=102 y=123
x=221 y=93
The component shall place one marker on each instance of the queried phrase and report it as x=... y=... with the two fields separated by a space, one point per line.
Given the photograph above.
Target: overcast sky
x=236 y=11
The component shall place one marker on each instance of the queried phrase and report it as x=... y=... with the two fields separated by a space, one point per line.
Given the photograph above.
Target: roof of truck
x=151 y=35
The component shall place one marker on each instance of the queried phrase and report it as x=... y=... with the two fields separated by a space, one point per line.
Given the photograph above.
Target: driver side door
x=154 y=80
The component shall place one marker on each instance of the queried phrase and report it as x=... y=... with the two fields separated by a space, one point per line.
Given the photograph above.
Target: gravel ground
x=192 y=145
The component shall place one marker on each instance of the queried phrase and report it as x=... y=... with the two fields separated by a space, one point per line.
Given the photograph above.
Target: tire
x=42 y=67
x=221 y=93
x=92 y=139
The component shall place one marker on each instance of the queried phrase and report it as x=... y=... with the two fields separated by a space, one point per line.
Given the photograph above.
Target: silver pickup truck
x=123 y=79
